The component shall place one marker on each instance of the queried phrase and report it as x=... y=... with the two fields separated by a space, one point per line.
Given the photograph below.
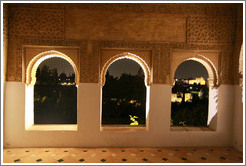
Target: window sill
x=190 y=128
x=51 y=127
x=127 y=128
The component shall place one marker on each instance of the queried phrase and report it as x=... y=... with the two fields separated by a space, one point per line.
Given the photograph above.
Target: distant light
x=132 y=101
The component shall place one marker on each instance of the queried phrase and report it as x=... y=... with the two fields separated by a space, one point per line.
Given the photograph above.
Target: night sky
x=123 y=66
x=61 y=64
x=185 y=70
x=190 y=69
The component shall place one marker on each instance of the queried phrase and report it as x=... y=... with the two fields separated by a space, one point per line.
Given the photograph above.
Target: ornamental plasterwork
x=139 y=60
x=49 y=29
x=89 y=62
x=168 y=8
x=15 y=55
x=209 y=30
x=226 y=59
x=160 y=57
x=208 y=58
x=5 y=21
x=37 y=23
x=32 y=66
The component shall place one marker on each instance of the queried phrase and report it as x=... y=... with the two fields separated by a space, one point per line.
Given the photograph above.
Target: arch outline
x=214 y=80
x=35 y=62
x=128 y=55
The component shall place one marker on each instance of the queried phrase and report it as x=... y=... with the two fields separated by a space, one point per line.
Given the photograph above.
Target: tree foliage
x=122 y=97
x=54 y=103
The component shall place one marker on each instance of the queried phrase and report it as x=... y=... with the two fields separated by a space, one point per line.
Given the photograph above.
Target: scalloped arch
x=140 y=61
x=35 y=62
x=212 y=72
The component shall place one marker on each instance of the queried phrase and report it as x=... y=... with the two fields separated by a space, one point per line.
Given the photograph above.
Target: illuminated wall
x=200 y=81
x=163 y=35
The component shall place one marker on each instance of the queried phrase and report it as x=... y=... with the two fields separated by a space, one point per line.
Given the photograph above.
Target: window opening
x=55 y=93
x=124 y=94
x=190 y=94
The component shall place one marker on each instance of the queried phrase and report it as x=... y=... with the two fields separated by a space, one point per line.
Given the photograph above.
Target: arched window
x=190 y=95
x=124 y=93
x=125 y=80
x=55 y=93
x=51 y=92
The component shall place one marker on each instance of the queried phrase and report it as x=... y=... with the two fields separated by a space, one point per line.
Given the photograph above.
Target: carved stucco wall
x=208 y=58
x=216 y=9
x=213 y=30
x=5 y=40
x=142 y=57
x=238 y=44
x=32 y=55
x=26 y=26
x=36 y=23
x=108 y=25
x=208 y=27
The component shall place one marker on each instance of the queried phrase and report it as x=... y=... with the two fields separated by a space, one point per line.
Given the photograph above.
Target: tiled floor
x=123 y=155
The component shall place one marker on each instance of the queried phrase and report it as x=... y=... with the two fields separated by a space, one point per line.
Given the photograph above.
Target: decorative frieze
x=89 y=57
x=226 y=61
x=5 y=20
x=13 y=53
x=220 y=10
x=89 y=62
x=126 y=44
x=15 y=59
x=210 y=30
x=157 y=78
x=5 y=41
x=146 y=8
x=161 y=63
x=167 y=8
x=238 y=53
x=202 y=27
x=37 y=23
x=45 y=27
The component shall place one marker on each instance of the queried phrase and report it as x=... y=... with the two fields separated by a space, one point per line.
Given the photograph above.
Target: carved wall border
x=89 y=62
x=205 y=57
x=169 y=8
x=237 y=46
x=32 y=67
x=37 y=22
x=15 y=60
x=162 y=53
x=5 y=20
x=131 y=56
x=5 y=40
x=210 y=30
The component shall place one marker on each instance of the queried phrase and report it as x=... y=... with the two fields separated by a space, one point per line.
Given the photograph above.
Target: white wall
x=3 y=107
x=238 y=119
x=89 y=134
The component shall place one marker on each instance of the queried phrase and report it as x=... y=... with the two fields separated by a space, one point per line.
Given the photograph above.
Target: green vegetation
x=133 y=119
